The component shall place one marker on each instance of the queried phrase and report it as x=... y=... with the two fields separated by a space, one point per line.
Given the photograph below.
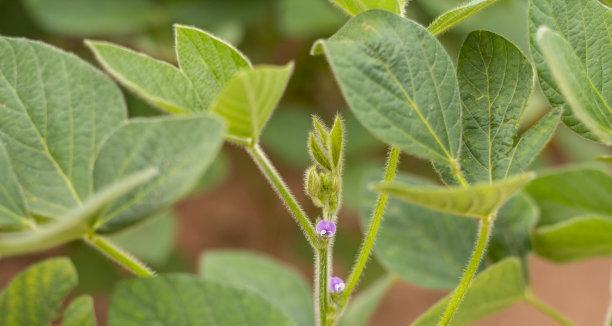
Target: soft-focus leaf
x=303 y=19
x=208 y=61
x=75 y=223
x=355 y=7
x=577 y=238
x=419 y=245
x=566 y=193
x=152 y=240
x=80 y=312
x=248 y=100
x=94 y=17
x=513 y=224
x=13 y=210
x=180 y=148
x=363 y=306
x=35 y=295
x=495 y=80
x=159 y=83
x=286 y=135
x=479 y=200
x=55 y=112
x=585 y=24
x=494 y=289
x=278 y=284
x=455 y=16
x=400 y=83
x=586 y=101
x=189 y=300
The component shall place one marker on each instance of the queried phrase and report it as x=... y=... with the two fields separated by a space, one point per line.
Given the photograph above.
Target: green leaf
x=513 y=225
x=419 y=245
x=181 y=148
x=189 y=300
x=587 y=102
x=495 y=289
x=355 y=7
x=73 y=224
x=161 y=84
x=35 y=295
x=455 y=16
x=400 y=83
x=93 y=17
x=152 y=240
x=248 y=100
x=281 y=286
x=80 y=312
x=363 y=306
x=495 y=80
x=209 y=62
x=286 y=135
x=570 y=192
x=304 y=19
x=581 y=237
x=336 y=142
x=13 y=210
x=591 y=43
x=56 y=111
x=479 y=200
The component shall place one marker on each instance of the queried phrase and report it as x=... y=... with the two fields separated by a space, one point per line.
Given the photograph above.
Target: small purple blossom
x=336 y=285
x=326 y=228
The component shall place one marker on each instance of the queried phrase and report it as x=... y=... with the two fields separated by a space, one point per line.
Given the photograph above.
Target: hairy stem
x=484 y=232
x=322 y=275
x=268 y=170
x=546 y=309
x=372 y=232
x=118 y=255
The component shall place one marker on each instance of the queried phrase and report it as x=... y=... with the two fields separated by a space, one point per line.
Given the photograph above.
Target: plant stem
x=118 y=255
x=268 y=170
x=457 y=173
x=321 y=281
x=372 y=232
x=546 y=309
x=484 y=232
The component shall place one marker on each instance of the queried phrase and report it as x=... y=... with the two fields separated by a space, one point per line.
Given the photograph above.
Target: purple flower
x=336 y=285
x=326 y=228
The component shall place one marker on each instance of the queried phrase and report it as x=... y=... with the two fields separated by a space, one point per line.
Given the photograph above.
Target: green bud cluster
x=323 y=180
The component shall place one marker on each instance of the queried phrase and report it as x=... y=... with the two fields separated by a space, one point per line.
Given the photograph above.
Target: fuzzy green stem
x=268 y=170
x=546 y=309
x=372 y=232
x=118 y=255
x=484 y=232
x=321 y=280
x=457 y=173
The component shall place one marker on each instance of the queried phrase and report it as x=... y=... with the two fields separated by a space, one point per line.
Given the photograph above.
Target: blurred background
x=233 y=207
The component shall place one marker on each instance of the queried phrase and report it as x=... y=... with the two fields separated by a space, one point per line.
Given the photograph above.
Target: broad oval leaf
x=591 y=43
x=577 y=238
x=495 y=80
x=278 y=284
x=363 y=306
x=400 y=83
x=188 y=300
x=567 y=193
x=419 y=245
x=455 y=16
x=80 y=312
x=13 y=209
x=55 y=111
x=209 y=62
x=159 y=83
x=35 y=295
x=249 y=98
x=75 y=223
x=355 y=7
x=180 y=148
x=494 y=289
x=479 y=200
x=588 y=103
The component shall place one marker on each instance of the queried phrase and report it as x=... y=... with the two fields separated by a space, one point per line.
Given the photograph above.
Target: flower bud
x=326 y=228
x=336 y=285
